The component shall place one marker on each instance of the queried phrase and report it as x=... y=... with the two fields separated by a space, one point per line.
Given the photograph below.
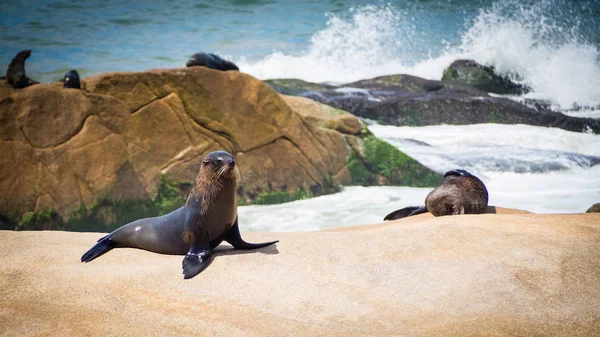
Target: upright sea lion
x=71 y=80
x=15 y=74
x=459 y=193
x=210 y=61
x=208 y=217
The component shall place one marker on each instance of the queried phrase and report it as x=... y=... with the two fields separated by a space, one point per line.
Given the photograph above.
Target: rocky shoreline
x=405 y=100
x=129 y=145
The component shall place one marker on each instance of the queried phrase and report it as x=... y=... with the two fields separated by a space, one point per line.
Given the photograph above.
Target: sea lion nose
x=232 y=162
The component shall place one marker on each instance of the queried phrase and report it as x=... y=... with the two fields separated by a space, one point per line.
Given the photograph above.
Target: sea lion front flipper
x=235 y=239
x=197 y=259
x=405 y=212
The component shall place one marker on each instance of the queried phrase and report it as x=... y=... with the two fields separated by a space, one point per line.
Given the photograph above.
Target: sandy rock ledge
x=506 y=274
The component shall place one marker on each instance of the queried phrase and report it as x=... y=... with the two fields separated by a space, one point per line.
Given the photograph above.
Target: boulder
x=484 y=78
x=130 y=145
x=467 y=275
x=595 y=208
x=405 y=100
x=292 y=86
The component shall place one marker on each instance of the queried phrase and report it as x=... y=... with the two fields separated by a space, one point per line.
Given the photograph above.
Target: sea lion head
x=71 y=80
x=221 y=164
x=23 y=54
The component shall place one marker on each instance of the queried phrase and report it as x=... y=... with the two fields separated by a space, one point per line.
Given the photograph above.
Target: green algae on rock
x=105 y=215
x=292 y=86
x=484 y=78
x=383 y=164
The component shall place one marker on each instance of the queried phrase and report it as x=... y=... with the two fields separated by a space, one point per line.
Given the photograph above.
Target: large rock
x=484 y=78
x=405 y=100
x=95 y=150
x=468 y=275
x=292 y=86
x=595 y=208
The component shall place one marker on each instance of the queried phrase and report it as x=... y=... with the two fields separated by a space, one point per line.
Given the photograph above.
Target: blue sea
x=551 y=45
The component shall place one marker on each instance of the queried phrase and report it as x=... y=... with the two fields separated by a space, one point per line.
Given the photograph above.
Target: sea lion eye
x=220 y=161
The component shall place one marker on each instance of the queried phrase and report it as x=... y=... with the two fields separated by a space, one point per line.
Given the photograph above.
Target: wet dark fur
x=15 y=74
x=210 y=61
x=459 y=193
x=71 y=80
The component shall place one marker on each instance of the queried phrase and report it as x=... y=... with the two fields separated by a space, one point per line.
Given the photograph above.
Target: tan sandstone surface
x=506 y=274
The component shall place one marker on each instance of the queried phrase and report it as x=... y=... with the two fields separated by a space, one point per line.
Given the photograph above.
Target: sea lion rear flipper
x=197 y=259
x=405 y=212
x=235 y=239
x=102 y=247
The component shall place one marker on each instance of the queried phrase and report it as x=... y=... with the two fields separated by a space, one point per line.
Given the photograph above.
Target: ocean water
x=542 y=170
x=551 y=45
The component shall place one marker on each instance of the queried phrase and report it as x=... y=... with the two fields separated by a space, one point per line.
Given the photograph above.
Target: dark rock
x=292 y=86
x=484 y=78
x=538 y=104
x=405 y=100
x=594 y=209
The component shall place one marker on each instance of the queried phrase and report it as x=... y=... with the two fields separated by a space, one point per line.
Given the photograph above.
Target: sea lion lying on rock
x=71 y=80
x=210 y=61
x=208 y=217
x=459 y=193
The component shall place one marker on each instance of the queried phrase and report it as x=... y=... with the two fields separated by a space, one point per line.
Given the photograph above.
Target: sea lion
x=208 y=217
x=210 y=61
x=71 y=80
x=15 y=74
x=459 y=193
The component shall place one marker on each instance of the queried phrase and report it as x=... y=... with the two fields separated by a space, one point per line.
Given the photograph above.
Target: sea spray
x=543 y=44
x=368 y=43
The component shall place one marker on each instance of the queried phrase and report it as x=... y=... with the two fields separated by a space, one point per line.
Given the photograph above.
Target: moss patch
x=291 y=86
x=40 y=220
x=340 y=111
x=106 y=215
x=494 y=114
x=412 y=118
x=171 y=195
x=384 y=164
x=361 y=175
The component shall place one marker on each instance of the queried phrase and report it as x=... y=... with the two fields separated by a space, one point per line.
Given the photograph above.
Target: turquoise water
x=336 y=41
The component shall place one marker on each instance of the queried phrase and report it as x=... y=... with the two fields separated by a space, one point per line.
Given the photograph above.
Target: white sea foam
x=543 y=170
x=549 y=54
